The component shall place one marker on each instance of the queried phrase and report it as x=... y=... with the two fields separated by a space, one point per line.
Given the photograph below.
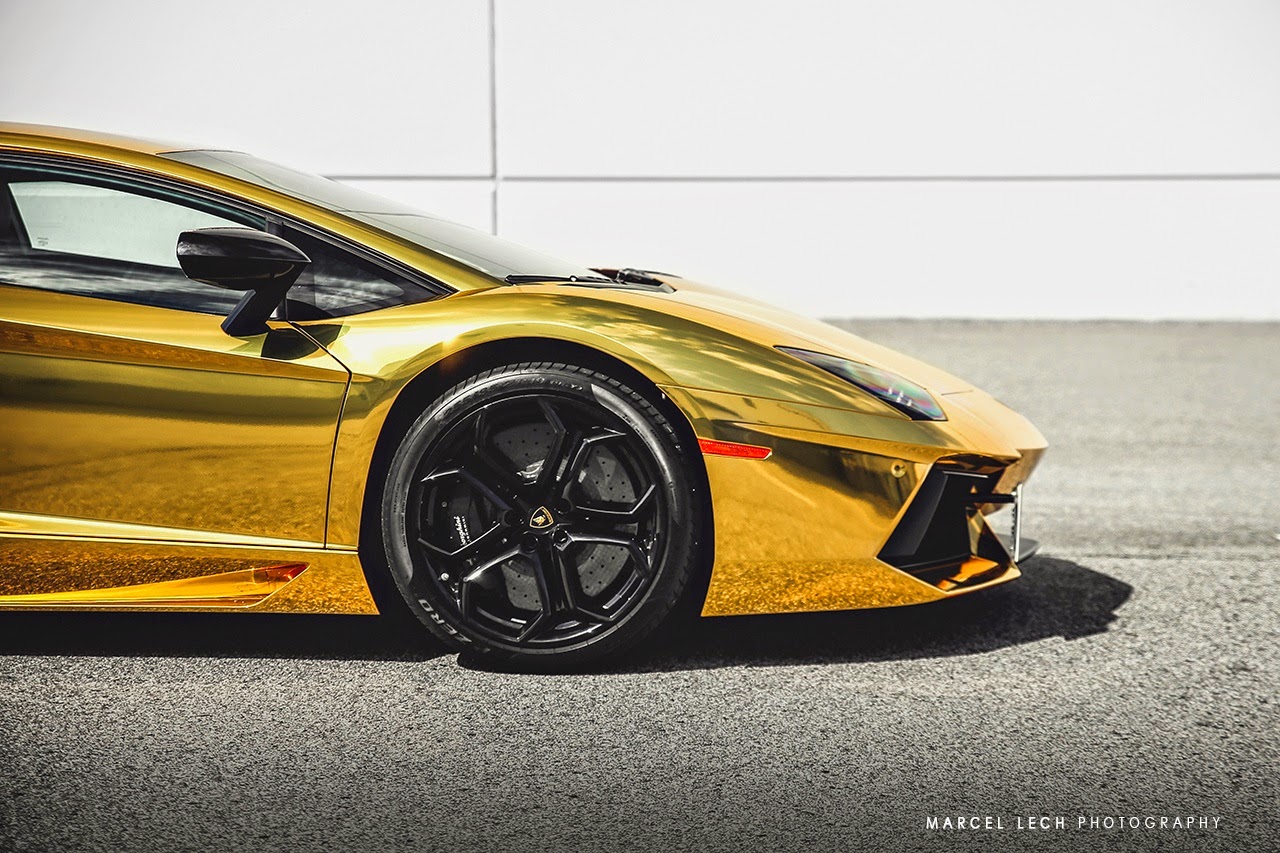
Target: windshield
x=490 y=255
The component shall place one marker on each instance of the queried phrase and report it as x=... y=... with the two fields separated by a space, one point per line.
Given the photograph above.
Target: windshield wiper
x=519 y=278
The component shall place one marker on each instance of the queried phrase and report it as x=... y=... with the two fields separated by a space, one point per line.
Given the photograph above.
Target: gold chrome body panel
x=143 y=447
x=802 y=529
x=201 y=430
x=112 y=573
x=226 y=590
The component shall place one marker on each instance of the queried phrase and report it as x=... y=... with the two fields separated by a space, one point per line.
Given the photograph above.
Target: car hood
x=773 y=326
x=684 y=337
x=979 y=420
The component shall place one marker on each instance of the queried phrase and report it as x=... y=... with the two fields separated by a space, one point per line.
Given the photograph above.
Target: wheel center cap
x=541 y=519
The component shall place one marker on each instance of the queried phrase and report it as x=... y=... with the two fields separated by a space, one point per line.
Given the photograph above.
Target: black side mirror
x=262 y=265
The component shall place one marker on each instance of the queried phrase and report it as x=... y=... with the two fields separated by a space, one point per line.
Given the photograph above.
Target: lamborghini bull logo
x=541 y=519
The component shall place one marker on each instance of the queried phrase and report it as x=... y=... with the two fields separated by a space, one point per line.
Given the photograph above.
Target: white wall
x=923 y=157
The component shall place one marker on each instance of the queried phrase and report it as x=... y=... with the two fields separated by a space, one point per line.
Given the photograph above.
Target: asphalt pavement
x=1131 y=674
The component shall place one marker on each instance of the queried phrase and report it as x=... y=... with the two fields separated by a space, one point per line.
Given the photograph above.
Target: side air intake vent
x=934 y=531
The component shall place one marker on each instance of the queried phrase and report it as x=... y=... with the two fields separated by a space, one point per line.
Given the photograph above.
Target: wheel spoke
x=578 y=457
x=552 y=594
x=560 y=467
x=491 y=562
x=464 y=594
x=639 y=558
x=564 y=445
x=483 y=548
x=561 y=595
x=596 y=516
x=471 y=480
x=473 y=560
x=533 y=628
x=555 y=588
x=488 y=465
x=580 y=602
x=502 y=479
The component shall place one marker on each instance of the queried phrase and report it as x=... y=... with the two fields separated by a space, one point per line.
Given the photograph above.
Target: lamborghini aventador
x=232 y=386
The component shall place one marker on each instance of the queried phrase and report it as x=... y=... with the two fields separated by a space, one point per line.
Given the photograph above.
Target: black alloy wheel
x=542 y=513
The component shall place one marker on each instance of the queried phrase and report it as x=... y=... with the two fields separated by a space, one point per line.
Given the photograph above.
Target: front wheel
x=541 y=513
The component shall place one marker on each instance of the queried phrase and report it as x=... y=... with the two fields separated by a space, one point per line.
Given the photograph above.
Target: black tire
x=541 y=514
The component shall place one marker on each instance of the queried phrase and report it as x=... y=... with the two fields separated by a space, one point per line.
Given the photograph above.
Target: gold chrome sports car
x=231 y=386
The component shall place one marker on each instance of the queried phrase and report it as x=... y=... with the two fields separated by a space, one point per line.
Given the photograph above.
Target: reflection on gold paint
x=43 y=570
x=801 y=530
x=177 y=426
x=727 y=373
x=237 y=589
x=127 y=416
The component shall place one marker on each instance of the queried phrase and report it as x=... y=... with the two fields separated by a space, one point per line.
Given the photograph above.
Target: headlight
x=898 y=391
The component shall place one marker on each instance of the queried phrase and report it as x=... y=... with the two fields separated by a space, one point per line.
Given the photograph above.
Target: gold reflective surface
x=235 y=589
x=142 y=415
x=142 y=446
x=801 y=530
x=53 y=571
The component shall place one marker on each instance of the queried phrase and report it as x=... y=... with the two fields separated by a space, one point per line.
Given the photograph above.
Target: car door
x=127 y=415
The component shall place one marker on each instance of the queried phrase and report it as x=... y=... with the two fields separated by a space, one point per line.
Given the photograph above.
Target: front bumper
x=813 y=526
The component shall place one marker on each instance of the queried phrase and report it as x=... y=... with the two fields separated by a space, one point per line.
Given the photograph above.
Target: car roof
x=50 y=138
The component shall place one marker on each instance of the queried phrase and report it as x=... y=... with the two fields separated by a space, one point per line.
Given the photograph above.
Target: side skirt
x=52 y=572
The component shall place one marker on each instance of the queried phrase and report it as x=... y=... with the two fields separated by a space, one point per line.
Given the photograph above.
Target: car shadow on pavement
x=1054 y=598
x=214 y=635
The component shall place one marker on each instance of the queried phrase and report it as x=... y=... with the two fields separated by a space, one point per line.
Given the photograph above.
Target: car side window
x=338 y=283
x=63 y=233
